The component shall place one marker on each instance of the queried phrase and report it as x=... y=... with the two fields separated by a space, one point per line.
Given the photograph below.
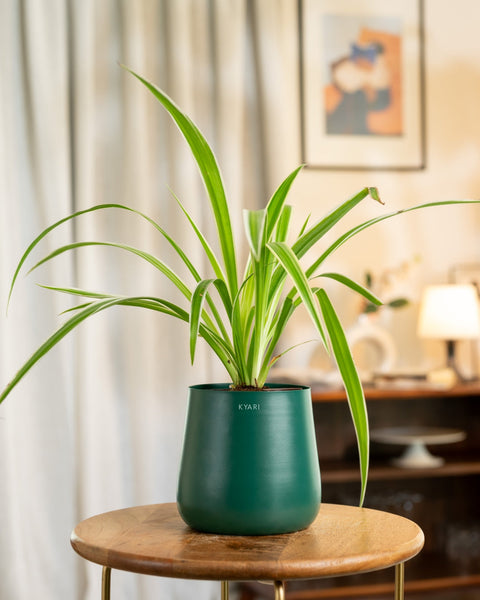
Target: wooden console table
x=153 y=540
x=443 y=501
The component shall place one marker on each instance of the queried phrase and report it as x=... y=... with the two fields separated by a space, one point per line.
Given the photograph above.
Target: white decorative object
x=416 y=455
x=367 y=333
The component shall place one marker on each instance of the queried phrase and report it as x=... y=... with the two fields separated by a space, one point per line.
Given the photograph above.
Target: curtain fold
x=98 y=424
x=37 y=460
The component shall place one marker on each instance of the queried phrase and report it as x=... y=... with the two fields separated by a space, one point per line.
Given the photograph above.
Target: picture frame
x=362 y=97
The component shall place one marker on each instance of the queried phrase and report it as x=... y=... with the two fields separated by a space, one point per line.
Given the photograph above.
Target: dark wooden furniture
x=154 y=540
x=444 y=501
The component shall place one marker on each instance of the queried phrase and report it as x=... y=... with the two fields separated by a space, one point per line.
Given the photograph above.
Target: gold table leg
x=399 y=581
x=279 y=590
x=106 y=578
x=278 y=586
x=224 y=590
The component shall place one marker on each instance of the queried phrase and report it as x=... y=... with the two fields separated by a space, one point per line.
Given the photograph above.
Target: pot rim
x=274 y=386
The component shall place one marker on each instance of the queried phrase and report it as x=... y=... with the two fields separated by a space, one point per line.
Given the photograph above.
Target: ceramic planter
x=249 y=463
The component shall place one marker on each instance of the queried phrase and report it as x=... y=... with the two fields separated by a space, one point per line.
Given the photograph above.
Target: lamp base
x=443 y=378
x=451 y=364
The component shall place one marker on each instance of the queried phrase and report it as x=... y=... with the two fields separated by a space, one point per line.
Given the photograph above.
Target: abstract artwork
x=362 y=84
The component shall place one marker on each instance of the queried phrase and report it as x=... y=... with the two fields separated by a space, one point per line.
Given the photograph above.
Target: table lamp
x=449 y=312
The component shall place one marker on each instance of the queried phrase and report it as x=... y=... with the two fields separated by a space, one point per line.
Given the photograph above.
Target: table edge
x=260 y=570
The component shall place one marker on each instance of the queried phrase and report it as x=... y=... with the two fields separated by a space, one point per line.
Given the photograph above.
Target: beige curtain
x=98 y=424
x=37 y=437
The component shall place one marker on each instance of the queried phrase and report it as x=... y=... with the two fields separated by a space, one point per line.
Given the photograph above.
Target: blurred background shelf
x=442 y=500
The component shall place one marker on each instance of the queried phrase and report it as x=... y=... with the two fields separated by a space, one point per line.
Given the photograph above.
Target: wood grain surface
x=154 y=540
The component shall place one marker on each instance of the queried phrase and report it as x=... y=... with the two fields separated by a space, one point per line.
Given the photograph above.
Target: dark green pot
x=249 y=463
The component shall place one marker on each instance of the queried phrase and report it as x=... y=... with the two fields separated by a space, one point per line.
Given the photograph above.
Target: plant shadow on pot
x=250 y=462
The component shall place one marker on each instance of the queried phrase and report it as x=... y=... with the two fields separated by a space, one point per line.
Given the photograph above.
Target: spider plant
x=240 y=318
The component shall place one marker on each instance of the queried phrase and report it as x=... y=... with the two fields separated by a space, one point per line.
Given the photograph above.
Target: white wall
x=440 y=237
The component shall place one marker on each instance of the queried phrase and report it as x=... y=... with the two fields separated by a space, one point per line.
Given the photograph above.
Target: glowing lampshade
x=449 y=312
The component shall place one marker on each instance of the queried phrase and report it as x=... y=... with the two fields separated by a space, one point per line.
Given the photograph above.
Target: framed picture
x=362 y=84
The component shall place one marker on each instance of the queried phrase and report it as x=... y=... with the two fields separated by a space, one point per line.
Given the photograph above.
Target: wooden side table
x=154 y=540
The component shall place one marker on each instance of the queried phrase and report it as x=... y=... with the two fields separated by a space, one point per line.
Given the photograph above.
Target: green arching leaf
x=151 y=303
x=275 y=205
x=291 y=265
x=283 y=224
x=75 y=308
x=241 y=323
x=316 y=232
x=196 y=305
x=304 y=226
x=222 y=290
x=75 y=292
x=254 y=221
x=97 y=207
x=219 y=284
x=210 y=172
x=246 y=299
x=206 y=246
x=258 y=339
x=398 y=303
x=353 y=285
x=172 y=243
x=358 y=228
x=160 y=265
x=157 y=263
x=217 y=344
x=373 y=191
x=45 y=232
x=353 y=386
x=282 y=319
x=274 y=359
x=157 y=304
x=310 y=237
x=54 y=339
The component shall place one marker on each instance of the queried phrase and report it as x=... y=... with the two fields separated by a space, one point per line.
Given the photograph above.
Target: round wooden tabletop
x=154 y=540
